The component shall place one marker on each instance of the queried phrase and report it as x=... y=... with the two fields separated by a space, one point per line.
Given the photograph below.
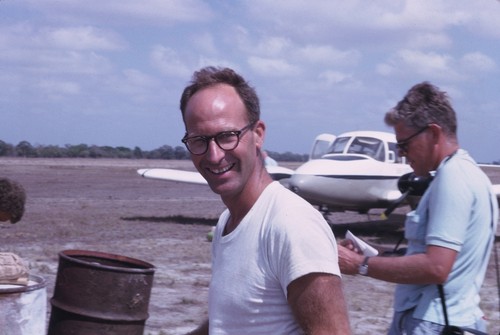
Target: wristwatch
x=363 y=268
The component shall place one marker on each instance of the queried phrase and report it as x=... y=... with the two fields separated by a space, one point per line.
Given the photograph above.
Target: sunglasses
x=403 y=144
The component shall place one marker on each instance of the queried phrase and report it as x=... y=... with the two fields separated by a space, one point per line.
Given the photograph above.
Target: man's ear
x=436 y=132
x=260 y=134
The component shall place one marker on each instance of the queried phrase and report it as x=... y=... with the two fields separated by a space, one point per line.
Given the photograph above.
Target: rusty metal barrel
x=100 y=293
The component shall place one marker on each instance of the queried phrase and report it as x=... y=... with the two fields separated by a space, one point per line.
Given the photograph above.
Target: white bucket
x=23 y=309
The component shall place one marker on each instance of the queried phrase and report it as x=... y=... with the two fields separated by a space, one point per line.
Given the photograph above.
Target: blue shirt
x=458 y=211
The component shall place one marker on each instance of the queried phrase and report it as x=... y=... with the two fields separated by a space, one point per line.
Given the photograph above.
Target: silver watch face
x=363 y=269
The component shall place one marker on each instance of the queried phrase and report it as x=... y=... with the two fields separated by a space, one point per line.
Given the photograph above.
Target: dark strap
x=443 y=303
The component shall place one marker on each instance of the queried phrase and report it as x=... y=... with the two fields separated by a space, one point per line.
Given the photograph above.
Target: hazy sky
x=110 y=72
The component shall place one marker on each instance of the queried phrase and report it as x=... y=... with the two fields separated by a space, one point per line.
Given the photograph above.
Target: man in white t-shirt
x=274 y=263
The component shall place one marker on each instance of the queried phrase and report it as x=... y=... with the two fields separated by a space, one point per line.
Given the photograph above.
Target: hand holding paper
x=364 y=247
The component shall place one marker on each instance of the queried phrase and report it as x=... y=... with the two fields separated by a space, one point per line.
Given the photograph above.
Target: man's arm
x=318 y=303
x=201 y=330
x=431 y=267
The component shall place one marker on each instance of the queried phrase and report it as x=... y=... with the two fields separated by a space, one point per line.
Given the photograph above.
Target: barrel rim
x=40 y=283
x=141 y=266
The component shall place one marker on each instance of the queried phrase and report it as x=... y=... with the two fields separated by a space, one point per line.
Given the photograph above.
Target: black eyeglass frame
x=402 y=145
x=215 y=137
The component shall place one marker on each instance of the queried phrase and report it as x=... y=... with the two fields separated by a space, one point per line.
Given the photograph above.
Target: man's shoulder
x=461 y=166
x=283 y=193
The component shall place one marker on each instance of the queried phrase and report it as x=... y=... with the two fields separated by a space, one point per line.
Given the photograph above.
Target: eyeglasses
x=403 y=144
x=226 y=140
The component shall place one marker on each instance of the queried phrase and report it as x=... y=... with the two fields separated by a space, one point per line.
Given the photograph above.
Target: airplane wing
x=279 y=172
x=173 y=175
x=276 y=172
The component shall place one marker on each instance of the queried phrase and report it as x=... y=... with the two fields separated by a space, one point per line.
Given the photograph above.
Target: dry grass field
x=104 y=205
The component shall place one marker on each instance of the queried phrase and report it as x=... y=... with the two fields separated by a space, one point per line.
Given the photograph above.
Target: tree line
x=26 y=149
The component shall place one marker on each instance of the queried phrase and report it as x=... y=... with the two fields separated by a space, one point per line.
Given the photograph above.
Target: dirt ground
x=104 y=205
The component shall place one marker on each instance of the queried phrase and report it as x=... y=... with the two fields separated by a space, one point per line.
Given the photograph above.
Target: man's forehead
x=216 y=92
x=215 y=102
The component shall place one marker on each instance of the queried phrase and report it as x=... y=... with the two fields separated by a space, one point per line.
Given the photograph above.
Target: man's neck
x=241 y=204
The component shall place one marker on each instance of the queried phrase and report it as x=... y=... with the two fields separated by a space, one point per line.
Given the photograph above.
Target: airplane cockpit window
x=398 y=158
x=320 y=148
x=338 y=145
x=368 y=146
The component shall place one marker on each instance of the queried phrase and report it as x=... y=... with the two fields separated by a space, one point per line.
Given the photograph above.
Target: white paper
x=362 y=246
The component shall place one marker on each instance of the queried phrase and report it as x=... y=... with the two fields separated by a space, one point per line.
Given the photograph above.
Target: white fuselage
x=359 y=172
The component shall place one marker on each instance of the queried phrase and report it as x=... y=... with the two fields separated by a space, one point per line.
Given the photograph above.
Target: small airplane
x=355 y=171
x=358 y=171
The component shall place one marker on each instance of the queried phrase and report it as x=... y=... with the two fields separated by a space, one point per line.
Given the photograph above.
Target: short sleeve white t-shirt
x=280 y=239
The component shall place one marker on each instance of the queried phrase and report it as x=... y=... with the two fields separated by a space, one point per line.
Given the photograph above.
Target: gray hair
x=422 y=105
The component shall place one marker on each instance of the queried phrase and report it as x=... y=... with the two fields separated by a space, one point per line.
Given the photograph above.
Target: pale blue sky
x=111 y=72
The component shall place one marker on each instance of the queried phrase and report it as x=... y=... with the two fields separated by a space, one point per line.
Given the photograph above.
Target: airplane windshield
x=368 y=146
x=338 y=145
x=360 y=145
